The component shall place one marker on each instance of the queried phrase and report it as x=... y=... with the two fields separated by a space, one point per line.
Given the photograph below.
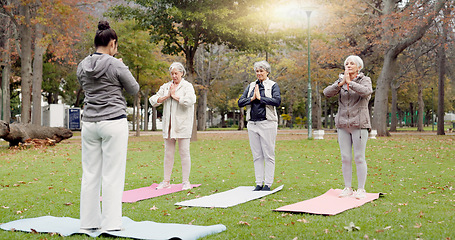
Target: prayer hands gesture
x=172 y=91
x=171 y=94
x=346 y=79
x=256 y=94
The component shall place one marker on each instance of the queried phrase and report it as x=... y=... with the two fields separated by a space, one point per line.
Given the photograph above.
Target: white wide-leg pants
x=262 y=137
x=104 y=149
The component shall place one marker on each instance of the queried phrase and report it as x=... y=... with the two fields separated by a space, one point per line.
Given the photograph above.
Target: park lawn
x=415 y=173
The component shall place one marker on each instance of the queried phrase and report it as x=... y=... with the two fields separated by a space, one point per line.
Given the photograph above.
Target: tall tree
x=5 y=48
x=37 y=23
x=145 y=63
x=396 y=16
x=183 y=26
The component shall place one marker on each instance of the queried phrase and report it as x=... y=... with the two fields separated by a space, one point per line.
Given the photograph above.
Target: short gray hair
x=356 y=59
x=262 y=64
x=178 y=66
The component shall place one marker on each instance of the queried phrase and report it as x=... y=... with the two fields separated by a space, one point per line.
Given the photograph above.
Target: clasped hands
x=171 y=94
x=346 y=79
x=256 y=94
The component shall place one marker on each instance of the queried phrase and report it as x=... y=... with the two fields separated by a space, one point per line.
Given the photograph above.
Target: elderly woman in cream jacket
x=178 y=98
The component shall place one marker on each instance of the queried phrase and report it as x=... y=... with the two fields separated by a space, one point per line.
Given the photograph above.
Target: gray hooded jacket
x=353 y=102
x=102 y=78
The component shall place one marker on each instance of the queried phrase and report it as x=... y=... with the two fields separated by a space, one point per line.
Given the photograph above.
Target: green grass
x=416 y=174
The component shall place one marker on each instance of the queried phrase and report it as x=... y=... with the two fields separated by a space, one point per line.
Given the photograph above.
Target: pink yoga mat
x=328 y=203
x=151 y=192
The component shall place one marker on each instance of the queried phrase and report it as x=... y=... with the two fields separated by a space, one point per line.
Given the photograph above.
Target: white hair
x=356 y=59
x=178 y=66
x=262 y=64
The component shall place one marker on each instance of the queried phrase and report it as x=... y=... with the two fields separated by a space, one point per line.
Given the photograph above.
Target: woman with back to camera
x=104 y=132
x=178 y=98
x=352 y=121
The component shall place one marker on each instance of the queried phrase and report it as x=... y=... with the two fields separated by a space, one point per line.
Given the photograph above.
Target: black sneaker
x=258 y=188
x=265 y=188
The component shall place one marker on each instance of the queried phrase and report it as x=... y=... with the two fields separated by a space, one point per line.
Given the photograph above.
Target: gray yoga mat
x=138 y=230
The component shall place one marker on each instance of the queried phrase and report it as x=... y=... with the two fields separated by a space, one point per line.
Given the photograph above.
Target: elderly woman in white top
x=178 y=98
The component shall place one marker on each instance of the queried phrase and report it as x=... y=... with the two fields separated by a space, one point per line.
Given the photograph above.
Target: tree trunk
x=325 y=113
x=6 y=71
x=411 y=113
x=138 y=114
x=146 y=109
x=19 y=132
x=242 y=119
x=153 y=118
x=421 y=107
x=134 y=114
x=6 y=104
x=317 y=109
x=394 y=48
x=40 y=49
x=26 y=62
x=393 y=112
x=191 y=77
x=202 y=109
x=441 y=55
x=381 y=100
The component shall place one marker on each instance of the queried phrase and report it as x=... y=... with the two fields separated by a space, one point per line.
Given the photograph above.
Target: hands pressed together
x=346 y=79
x=171 y=94
x=256 y=94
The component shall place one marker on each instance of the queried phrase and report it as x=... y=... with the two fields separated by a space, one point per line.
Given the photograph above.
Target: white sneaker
x=186 y=185
x=347 y=192
x=163 y=184
x=360 y=193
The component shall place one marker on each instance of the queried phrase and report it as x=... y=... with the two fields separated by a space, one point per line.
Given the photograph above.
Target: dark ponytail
x=104 y=34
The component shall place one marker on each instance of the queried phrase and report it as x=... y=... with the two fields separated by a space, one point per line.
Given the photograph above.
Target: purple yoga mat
x=150 y=192
x=328 y=203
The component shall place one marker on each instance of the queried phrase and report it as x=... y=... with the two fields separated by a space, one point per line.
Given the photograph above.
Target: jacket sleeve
x=363 y=88
x=189 y=97
x=127 y=80
x=332 y=90
x=244 y=99
x=275 y=100
x=154 y=99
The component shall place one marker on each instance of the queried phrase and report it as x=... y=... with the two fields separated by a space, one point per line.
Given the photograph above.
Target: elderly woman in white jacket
x=178 y=98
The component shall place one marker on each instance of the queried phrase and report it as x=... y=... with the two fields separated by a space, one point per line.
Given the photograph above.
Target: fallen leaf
x=352 y=227
x=244 y=223
x=153 y=208
x=303 y=220
x=68 y=204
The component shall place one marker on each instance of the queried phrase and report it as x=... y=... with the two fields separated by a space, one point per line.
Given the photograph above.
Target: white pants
x=262 y=137
x=169 y=152
x=104 y=148
x=349 y=138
